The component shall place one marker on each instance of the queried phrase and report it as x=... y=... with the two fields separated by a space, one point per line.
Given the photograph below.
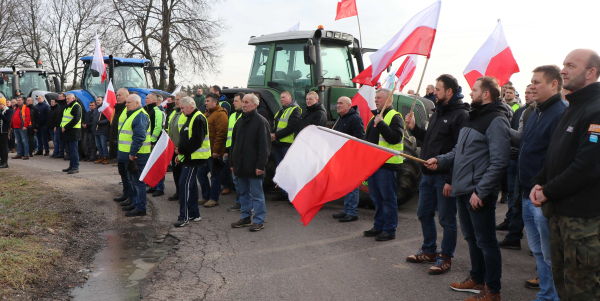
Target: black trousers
x=3 y=148
x=32 y=141
x=90 y=145
x=177 y=168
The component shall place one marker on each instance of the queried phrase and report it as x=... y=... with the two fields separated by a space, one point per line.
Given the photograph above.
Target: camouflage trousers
x=575 y=252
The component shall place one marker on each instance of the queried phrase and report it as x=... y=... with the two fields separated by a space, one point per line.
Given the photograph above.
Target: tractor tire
x=409 y=177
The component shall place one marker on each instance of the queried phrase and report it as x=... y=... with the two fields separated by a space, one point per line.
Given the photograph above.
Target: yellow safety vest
x=126 y=134
x=398 y=147
x=283 y=122
x=515 y=107
x=204 y=151
x=232 y=120
x=158 y=124
x=180 y=122
x=67 y=117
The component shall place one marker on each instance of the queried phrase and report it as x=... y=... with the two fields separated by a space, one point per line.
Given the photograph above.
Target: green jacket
x=200 y=101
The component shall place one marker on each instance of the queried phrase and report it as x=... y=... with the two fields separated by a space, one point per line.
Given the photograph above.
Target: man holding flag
x=157 y=120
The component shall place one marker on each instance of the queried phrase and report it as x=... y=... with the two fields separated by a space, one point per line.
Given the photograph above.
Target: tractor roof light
x=320 y=27
x=329 y=34
x=337 y=35
x=344 y=36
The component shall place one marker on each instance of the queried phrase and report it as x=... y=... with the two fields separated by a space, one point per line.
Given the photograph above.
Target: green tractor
x=325 y=62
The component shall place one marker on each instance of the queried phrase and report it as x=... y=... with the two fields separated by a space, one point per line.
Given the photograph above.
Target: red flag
x=416 y=37
x=160 y=158
x=406 y=71
x=316 y=169
x=365 y=100
x=110 y=100
x=494 y=58
x=345 y=9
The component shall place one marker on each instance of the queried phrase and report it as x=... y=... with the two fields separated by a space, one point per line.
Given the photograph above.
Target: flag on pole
x=176 y=90
x=390 y=80
x=365 y=100
x=110 y=100
x=416 y=37
x=316 y=169
x=98 y=60
x=494 y=58
x=164 y=102
x=406 y=71
x=345 y=9
x=160 y=157
x=295 y=27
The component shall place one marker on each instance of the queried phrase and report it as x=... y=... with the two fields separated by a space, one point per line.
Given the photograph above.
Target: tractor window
x=290 y=72
x=32 y=80
x=336 y=65
x=94 y=85
x=259 y=66
x=6 y=86
x=128 y=76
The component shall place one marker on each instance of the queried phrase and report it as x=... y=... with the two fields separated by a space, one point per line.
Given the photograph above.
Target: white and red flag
x=365 y=100
x=406 y=71
x=346 y=9
x=494 y=59
x=98 y=60
x=416 y=37
x=110 y=100
x=320 y=166
x=160 y=157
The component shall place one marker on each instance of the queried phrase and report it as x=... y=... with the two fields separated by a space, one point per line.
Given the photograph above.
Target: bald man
x=567 y=186
x=114 y=126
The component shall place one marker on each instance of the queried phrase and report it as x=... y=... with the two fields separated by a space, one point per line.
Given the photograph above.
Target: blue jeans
x=383 y=188
x=235 y=183
x=479 y=230
x=127 y=188
x=73 y=154
x=58 y=146
x=538 y=238
x=22 y=142
x=431 y=197
x=252 y=196
x=42 y=138
x=351 y=203
x=101 y=145
x=210 y=190
x=188 y=193
x=161 y=185
x=279 y=153
x=138 y=187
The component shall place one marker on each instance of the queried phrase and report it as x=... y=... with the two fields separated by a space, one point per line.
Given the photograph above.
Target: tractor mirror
x=94 y=73
x=310 y=57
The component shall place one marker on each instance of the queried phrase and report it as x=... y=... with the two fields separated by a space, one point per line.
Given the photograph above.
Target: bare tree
x=10 y=46
x=29 y=29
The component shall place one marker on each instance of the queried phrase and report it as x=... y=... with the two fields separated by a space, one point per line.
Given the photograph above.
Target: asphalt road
x=326 y=260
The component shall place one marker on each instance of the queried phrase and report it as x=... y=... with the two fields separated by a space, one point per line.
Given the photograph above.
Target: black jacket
x=54 y=117
x=393 y=133
x=571 y=174
x=114 y=126
x=291 y=128
x=186 y=145
x=44 y=110
x=88 y=120
x=100 y=124
x=35 y=116
x=442 y=133
x=431 y=97
x=5 y=117
x=351 y=124
x=250 y=145
x=72 y=134
x=265 y=112
x=313 y=115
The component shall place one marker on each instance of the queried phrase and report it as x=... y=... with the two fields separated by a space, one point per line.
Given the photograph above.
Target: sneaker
x=421 y=257
x=533 y=283
x=384 y=237
x=225 y=191
x=72 y=171
x=510 y=244
x=236 y=207
x=371 y=233
x=4 y=165
x=67 y=169
x=485 y=295
x=202 y=201
x=256 y=227
x=442 y=265
x=338 y=215
x=244 y=222
x=503 y=226
x=467 y=285
x=174 y=198
x=196 y=219
x=211 y=203
x=180 y=223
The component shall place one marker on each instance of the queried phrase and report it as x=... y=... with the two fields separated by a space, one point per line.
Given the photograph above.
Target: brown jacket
x=217 y=129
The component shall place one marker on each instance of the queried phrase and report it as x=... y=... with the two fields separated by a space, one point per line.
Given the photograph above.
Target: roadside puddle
x=126 y=260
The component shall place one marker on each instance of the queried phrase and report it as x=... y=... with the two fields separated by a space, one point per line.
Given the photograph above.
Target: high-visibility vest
x=159 y=122
x=515 y=107
x=398 y=147
x=204 y=151
x=67 y=117
x=232 y=120
x=283 y=122
x=180 y=122
x=126 y=134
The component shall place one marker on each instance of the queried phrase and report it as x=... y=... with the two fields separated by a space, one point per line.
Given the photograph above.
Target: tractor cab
x=26 y=82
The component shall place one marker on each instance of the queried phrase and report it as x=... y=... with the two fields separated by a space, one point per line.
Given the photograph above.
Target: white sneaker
x=197 y=219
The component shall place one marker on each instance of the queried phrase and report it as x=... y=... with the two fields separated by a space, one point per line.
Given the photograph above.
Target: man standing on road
x=5 y=117
x=174 y=124
x=33 y=128
x=217 y=132
x=248 y=161
x=157 y=121
x=134 y=150
x=567 y=185
x=71 y=132
x=89 y=143
x=385 y=129
x=430 y=93
x=100 y=130
x=439 y=138
x=53 y=125
x=351 y=124
x=286 y=123
x=21 y=119
x=42 y=133
x=192 y=152
x=480 y=160
x=120 y=109
x=233 y=118
x=200 y=100
x=222 y=99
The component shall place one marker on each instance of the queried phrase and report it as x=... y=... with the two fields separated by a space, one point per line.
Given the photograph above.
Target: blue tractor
x=129 y=73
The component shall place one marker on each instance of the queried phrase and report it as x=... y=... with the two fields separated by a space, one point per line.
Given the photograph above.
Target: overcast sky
x=538 y=32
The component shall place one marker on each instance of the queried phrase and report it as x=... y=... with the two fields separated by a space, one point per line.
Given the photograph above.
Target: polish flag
x=494 y=59
x=365 y=100
x=98 y=60
x=416 y=37
x=345 y=9
x=176 y=90
x=320 y=166
x=296 y=27
x=406 y=71
x=110 y=100
x=164 y=102
x=160 y=158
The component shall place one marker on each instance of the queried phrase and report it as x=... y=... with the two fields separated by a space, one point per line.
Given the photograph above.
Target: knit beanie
x=2 y=100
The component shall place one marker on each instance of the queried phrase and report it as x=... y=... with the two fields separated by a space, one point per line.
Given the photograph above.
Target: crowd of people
x=541 y=158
